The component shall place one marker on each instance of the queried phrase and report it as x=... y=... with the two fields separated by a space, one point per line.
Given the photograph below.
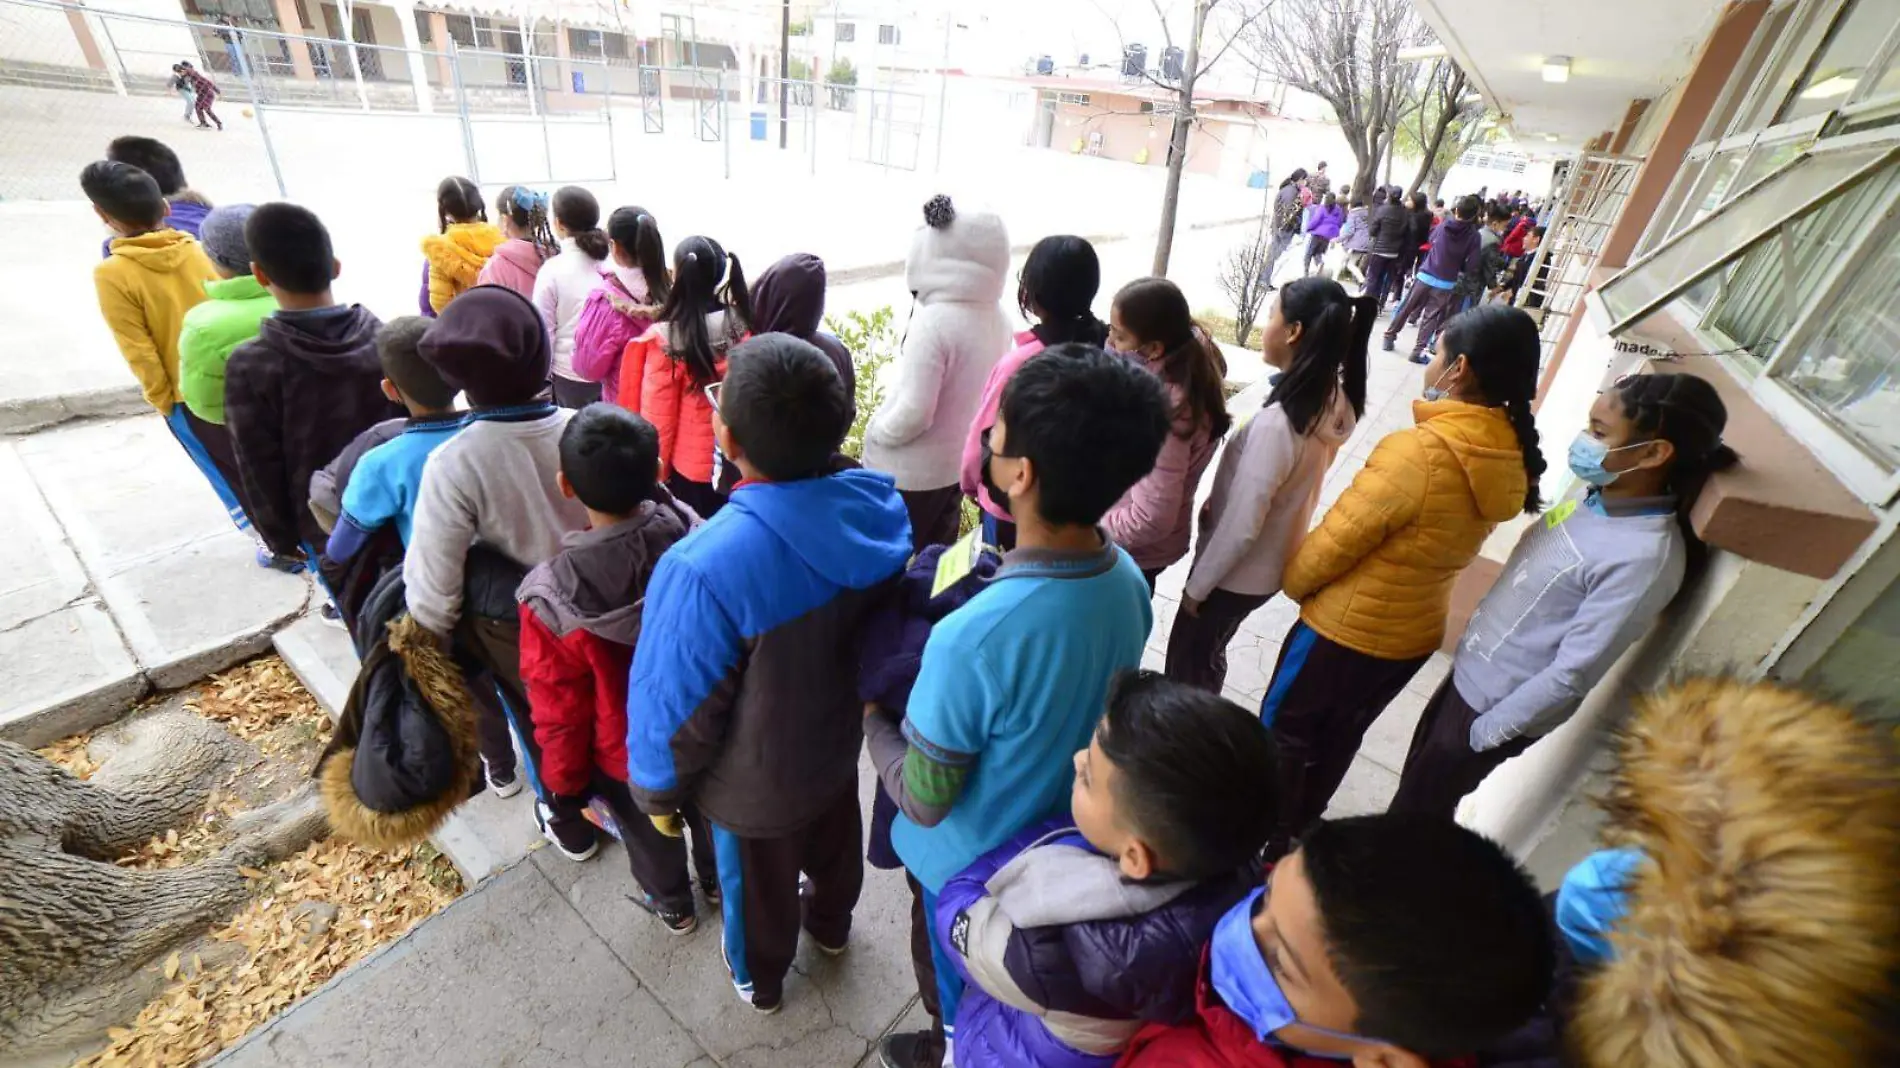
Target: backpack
x=606 y=325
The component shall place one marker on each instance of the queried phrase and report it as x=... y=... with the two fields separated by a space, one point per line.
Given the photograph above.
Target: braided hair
x=528 y=211
x=1688 y=413
x=1058 y=284
x=458 y=200
x=1500 y=345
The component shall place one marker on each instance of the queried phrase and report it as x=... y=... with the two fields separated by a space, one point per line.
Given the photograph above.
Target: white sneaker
x=571 y=850
x=498 y=786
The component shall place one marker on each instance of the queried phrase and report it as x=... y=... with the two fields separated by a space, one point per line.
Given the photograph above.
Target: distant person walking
x=1286 y=221
x=1319 y=184
x=205 y=94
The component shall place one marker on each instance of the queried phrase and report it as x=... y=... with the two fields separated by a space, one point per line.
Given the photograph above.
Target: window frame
x=844 y=33
x=1792 y=35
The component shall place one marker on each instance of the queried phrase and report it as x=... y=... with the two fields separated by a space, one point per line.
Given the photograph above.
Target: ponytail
x=457 y=200
x=635 y=231
x=1155 y=310
x=1689 y=414
x=1335 y=336
x=1061 y=277
x=736 y=297
x=698 y=265
x=579 y=214
x=1501 y=346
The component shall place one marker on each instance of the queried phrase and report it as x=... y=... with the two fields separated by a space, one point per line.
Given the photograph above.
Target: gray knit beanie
x=222 y=235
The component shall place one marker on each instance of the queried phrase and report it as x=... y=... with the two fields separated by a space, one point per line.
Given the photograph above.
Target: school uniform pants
x=923 y=958
x=701 y=497
x=1323 y=698
x=573 y=393
x=1379 y=272
x=1441 y=767
x=1402 y=269
x=758 y=878
x=1197 y=646
x=1429 y=306
x=209 y=447
x=501 y=713
x=658 y=860
x=935 y=515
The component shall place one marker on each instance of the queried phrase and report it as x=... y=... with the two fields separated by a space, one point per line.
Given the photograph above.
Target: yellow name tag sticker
x=1556 y=516
x=958 y=561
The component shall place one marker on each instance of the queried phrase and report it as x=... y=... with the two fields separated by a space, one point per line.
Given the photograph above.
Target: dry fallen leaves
x=70 y=753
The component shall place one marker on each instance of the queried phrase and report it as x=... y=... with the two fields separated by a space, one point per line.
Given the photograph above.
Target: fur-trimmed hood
x=1763 y=923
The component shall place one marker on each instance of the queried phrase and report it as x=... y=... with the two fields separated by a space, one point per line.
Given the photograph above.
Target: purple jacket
x=1325 y=222
x=1455 y=249
x=1099 y=956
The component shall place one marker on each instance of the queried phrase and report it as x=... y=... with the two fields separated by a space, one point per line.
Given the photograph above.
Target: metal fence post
x=461 y=112
x=725 y=117
x=263 y=124
x=118 y=76
x=547 y=146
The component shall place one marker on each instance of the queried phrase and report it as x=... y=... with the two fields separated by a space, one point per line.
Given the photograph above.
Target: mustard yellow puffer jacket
x=1376 y=574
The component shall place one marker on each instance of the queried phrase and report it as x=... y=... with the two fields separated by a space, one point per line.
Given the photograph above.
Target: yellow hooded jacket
x=1376 y=575
x=146 y=285
x=456 y=257
x=1762 y=928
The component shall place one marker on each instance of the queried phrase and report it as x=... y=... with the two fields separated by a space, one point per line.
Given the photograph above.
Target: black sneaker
x=710 y=888
x=1419 y=358
x=744 y=990
x=911 y=1049
x=576 y=840
x=1388 y=344
x=679 y=923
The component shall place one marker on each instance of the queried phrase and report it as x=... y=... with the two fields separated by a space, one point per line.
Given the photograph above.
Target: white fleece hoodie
x=933 y=388
x=1261 y=507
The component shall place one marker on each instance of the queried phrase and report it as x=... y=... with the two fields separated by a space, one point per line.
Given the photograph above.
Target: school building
x=1729 y=212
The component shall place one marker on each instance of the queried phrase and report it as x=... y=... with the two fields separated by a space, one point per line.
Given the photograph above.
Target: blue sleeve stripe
x=687 y=646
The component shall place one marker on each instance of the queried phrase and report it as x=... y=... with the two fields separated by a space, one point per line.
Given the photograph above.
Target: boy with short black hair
x=744 y=684
x=492 y=488
x=383 y=485
x=300 y=391
x=1081 y=929
x=186 y=208
x=580 y=618
x=1390 y=940
x=1015 y=680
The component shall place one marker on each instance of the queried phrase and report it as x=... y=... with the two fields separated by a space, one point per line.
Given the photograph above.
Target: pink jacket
x=514 y=265
x=971 y=478
x=1154 y=520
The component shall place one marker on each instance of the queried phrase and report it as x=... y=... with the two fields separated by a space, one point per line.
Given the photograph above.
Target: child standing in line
x=1057 y=289
x=528 y=241
x=1322 y=229
x=383 y=486
x=1578 y=590
x=1010 y=683
x=956 y=268
x=743 y=695
x=185 y=206
x=149 y=281
x=1081 y=929
x=633 y=284
x=237 y=304
x=1269 y=478
x=464 y=239
x=299 y=392
x=580 y=620
x=1374 y=578
x=665 y=371
x=562 y=287
x=1150 y=324
x=1384 y=940
x=493 y=486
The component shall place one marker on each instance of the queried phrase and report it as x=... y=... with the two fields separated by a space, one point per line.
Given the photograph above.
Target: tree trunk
x=75 y=928
x=1178 y=142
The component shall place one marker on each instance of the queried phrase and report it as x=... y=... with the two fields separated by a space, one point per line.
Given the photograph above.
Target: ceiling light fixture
x=1556 y=69
x=1839 y=83
x=1550 y=137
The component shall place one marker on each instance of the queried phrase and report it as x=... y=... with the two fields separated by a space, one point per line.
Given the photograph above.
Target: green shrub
x=873 y=342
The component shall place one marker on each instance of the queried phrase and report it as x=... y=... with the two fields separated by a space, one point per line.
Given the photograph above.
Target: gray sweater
x=492 y=483
x=1579 y=588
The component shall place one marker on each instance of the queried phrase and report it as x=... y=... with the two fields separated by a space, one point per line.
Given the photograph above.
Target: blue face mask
x=1245 y=982
x=1435 y=391
x=1587 y=455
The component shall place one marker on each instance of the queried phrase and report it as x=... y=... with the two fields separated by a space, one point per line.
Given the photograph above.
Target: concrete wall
x=148 y=48
x=38 y=35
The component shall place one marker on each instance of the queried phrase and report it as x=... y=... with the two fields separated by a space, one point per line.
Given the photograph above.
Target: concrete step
x=482 y=837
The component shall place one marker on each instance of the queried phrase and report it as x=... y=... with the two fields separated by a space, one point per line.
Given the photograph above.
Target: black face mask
x=997 y=496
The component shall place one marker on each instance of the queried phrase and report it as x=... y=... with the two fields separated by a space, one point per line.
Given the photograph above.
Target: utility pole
x=1177 y=142
x=784 y=67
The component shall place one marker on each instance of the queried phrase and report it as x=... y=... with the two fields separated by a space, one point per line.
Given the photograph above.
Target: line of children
x=453 y=256
x=1150 y=324
x=235 y=306
x=1374 y=579
x=1269 y=478
x=935 y=386
x=185 y=207
x=1009 y=686
x=634 y=283
x=564 y=282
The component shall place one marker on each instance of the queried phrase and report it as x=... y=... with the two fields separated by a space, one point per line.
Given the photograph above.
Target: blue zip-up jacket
x=743 y=695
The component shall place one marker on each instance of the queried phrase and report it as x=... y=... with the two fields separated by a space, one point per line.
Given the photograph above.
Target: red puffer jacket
x=580 y=617
x=662 y=389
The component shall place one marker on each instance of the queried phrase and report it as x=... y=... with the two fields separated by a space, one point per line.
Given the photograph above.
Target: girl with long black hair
x=1580 y=588
x=1374 y=579
x=633 y=284
x=707 y=311
x=1057 y=290
x=562 y=285
x=1268 y=481
x=1150 y=323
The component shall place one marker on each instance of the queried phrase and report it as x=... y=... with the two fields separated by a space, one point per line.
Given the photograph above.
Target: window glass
x=1850 y=368
x=1858 y=34
x=1765 y=160
x=1788 y=67
x=1710 y=190
x=1863 y=667
x=1888 y=81
x=1743 y=77
x=1706 y=246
